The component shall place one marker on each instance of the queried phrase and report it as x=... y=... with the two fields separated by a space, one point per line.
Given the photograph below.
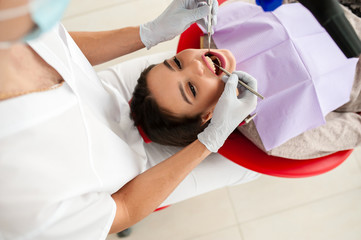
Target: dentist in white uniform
x=72 y=166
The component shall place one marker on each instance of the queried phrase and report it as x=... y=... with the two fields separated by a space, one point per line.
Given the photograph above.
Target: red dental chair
x=252 y=157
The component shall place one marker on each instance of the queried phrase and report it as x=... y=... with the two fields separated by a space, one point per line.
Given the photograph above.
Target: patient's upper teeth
x=209 y=60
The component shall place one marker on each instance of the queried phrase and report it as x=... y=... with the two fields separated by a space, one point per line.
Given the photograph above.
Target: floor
x=326 y=207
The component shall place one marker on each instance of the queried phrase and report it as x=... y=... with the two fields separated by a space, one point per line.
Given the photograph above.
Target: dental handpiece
x=241 y=82
x=209 y=30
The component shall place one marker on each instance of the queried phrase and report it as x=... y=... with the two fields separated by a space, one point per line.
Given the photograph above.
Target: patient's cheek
x=237 y=91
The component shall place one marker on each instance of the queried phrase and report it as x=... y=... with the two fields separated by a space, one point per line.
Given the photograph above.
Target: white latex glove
x=230 y=111
x=178 y=16
x=246 y=77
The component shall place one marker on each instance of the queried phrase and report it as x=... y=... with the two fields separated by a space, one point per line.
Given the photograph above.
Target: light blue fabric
x=45 y=14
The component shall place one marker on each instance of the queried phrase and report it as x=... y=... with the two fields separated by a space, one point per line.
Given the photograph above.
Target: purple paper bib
x=300 y=70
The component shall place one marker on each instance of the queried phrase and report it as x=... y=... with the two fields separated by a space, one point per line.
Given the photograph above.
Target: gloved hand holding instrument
x=178 y=16
x=230 y=110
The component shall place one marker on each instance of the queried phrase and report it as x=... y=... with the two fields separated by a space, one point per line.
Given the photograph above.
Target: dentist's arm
x=100 y=47
x=142 y=195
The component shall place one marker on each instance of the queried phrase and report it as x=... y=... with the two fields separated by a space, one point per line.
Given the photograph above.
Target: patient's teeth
x=213 y=58
x=209 y=60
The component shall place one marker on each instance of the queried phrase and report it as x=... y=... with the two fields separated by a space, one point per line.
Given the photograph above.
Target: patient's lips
x=210 y=58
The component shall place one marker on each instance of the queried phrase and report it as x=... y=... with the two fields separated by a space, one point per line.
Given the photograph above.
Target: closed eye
x=175 y=59
x=193 y=90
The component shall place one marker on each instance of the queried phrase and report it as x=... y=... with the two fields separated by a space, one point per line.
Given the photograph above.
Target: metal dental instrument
x=209 y=31
x=240 y=82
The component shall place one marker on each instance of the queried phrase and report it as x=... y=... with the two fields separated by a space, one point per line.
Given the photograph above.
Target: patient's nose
x=198 y=67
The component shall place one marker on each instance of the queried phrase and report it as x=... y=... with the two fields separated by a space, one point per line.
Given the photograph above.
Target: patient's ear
x=208 y=115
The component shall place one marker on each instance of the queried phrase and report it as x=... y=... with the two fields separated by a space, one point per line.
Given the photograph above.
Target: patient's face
x=189 y=83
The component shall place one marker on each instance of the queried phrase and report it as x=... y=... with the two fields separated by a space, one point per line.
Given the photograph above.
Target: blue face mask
x=44 y=13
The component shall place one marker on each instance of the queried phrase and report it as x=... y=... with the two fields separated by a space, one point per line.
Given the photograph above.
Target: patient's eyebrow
x=181 y=89
x=168 y=65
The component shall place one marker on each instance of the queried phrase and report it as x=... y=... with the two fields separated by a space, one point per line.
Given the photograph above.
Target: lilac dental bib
x=300 y=70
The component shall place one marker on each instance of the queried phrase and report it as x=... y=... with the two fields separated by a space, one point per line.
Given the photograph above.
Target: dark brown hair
x=159 y=125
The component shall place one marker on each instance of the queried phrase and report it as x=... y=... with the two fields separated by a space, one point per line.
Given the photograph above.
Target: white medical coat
x=64 y=152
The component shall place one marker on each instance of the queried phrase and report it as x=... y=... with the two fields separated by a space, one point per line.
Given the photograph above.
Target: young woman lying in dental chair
x=312 y=92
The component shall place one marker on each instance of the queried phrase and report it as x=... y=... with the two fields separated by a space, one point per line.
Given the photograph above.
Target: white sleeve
x=88 y=216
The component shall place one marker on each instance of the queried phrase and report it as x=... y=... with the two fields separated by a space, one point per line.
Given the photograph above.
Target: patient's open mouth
x=213 y=59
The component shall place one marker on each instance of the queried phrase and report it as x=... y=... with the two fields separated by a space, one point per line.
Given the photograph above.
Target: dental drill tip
x=249 y=118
